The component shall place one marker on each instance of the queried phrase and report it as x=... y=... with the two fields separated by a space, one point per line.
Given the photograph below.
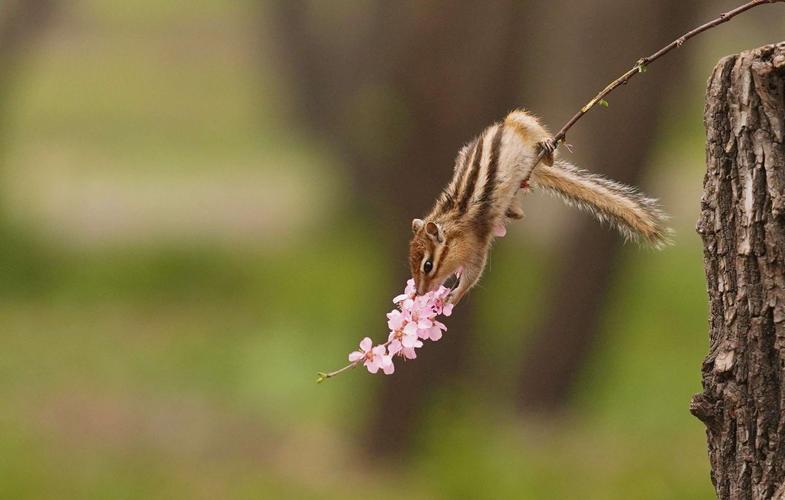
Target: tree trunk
x=742 y=224
x=21 y=23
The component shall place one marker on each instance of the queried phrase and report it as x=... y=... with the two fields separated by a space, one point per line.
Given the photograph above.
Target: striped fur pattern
x=454 y=239
x=623 y=207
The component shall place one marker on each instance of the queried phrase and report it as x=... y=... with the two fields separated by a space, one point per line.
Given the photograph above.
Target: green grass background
x=182 y=364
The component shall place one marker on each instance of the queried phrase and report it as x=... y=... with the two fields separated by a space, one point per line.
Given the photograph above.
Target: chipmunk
x=454 y=239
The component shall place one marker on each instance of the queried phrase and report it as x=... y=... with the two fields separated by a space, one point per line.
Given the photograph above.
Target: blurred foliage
x=184 y=368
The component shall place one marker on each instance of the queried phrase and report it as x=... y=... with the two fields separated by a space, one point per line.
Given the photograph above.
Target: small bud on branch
x=410 y=323
x=642 y=64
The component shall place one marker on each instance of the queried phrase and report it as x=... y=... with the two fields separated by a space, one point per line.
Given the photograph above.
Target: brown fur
x=456 y=235
x=623 y=207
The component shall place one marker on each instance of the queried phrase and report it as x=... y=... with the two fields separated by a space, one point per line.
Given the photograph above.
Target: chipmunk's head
x=431 y=260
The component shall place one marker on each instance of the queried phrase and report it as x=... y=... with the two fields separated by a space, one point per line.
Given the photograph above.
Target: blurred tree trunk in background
x=398 y=96
x=742 y=224
x=21 y=23
x=617 y=142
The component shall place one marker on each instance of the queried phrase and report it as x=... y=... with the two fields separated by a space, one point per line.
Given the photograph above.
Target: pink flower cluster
x=412 y=322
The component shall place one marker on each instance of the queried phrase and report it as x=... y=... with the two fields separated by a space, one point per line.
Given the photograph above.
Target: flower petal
x=355 y=356
x=394 y=347
x=400 y=298
x=410 y=341
x=387 y=366
x=395 y=319
x=366 y=344
x=410 y=353
x=411 y=288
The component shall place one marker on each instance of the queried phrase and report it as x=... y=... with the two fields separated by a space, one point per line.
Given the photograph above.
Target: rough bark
x=742 y=224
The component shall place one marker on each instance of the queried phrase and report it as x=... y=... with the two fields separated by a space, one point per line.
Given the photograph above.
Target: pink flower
x=375 y=357
x=408 y=292
x=397 y=347
x=421 y=310
x=396 y=320
x=440 y=304
x=406 y=337
x=435 y=332
x=402 y=329
x=385 y=362
x=419 y=315
x=413 y=321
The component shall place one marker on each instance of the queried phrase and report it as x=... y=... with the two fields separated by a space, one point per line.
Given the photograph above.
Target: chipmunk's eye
x=427 y=267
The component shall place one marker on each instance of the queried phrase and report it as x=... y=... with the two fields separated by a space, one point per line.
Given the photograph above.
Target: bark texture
x=742 y=224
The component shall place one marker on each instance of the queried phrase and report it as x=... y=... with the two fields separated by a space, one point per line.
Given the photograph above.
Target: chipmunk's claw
x=549 y=146
x=514 y=212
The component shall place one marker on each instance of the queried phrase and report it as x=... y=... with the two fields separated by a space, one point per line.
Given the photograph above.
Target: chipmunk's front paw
x=514 y=211
x=456 y=295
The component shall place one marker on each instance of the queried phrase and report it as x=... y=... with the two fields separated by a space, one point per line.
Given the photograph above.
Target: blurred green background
x=199 y=213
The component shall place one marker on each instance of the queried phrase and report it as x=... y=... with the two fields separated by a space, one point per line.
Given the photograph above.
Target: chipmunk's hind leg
x=532 y=133
x=549 y=146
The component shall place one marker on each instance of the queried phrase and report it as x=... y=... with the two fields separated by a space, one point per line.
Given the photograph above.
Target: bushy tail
x=623 y=207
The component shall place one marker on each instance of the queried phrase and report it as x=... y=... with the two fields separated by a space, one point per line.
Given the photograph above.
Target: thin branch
x=641 y=65
x=324 y=376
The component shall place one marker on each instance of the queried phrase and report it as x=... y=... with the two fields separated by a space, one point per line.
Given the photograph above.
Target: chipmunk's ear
x=434 y=230
x=417 y=225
